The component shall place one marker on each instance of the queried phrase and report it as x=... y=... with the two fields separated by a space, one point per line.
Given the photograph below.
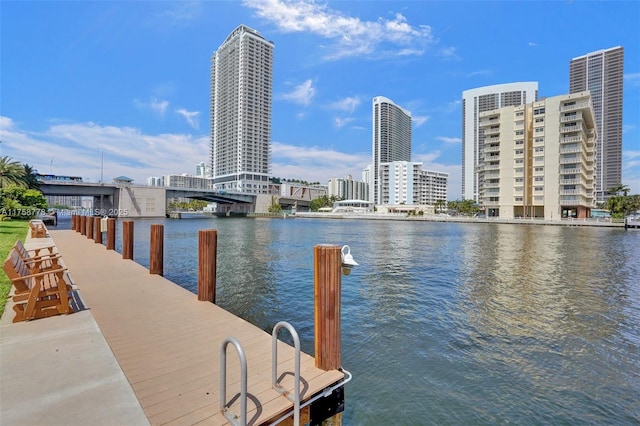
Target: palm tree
x=620 y=188
x=11 y=172
x=30 y=178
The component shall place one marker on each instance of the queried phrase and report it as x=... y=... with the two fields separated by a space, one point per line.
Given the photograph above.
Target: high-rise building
x=538 y=159
x=348 y=189
x=391 y=140
x=601 y=73
x=241 y=96
x=474 y=102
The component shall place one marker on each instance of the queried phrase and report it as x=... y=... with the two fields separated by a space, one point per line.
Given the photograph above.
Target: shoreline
x=459 y=219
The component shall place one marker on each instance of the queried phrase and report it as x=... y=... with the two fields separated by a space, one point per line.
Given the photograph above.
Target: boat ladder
x=241 y=419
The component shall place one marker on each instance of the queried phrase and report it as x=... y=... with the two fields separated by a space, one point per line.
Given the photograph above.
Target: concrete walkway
x=61 y=371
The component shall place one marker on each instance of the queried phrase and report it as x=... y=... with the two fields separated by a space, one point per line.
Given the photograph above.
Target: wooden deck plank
x=168 y=343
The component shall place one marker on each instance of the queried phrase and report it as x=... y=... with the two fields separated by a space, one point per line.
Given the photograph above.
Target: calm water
x=445 y=323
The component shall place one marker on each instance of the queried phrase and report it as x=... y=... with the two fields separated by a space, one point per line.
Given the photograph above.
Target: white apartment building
x=538 y=159
x=404 y=182
x=241 y=98
x=474 y=102
x=602 y=74
x=348 y=189
x=391 y=140
x=188 y=182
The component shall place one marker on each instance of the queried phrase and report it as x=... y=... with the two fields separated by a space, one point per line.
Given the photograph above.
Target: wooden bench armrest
x=39 y=274
x=35 y=259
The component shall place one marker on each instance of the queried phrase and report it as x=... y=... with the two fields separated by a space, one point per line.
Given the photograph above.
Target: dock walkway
x=167 y=343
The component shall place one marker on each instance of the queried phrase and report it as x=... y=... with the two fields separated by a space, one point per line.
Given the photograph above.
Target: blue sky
x=128 y=82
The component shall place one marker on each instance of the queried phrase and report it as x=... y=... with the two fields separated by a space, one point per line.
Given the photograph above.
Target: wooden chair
x=38 y=229
x=37 y=295
x=36 y=261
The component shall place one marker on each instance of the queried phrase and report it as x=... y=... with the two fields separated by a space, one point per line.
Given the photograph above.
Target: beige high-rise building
x=538 y=159
x=241 y=97
x=602 y=74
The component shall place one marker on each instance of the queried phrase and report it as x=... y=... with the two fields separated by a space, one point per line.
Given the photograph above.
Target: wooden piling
x=327 y=289
x=89 y=227
x=156 y=250
x=97 y=230
x=83 y=225
x=73 y=222
x=127 y=239
x=111 y=234
x=207 y=264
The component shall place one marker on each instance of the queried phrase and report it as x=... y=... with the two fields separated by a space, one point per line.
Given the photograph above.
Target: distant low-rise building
x=405 y=182
x=348 y=189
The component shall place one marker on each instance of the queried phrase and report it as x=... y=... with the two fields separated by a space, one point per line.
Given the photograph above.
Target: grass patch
x=10 y=231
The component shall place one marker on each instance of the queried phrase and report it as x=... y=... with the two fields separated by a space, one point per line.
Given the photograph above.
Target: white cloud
x=449 y=140
x=633 y=79
x=351 y=36
x=419 y=120
x=301 y=94
x=449 y=53
x=348 y=104
x=339 y=123
x=75 y=149
x=190 y=116
x=315 y=164
x=157 y=106
x=533 y=44
x=631 y=170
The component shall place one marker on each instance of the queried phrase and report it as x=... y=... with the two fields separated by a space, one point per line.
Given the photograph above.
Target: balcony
x=570 y=182
x=492 y=167
x=488 y=185
x=489 y=149
x=571 y=150
x=568 y=129
x=491 y=203
x=571 y=139
x=567 y=118
x=490 y=131
x=572 y=192
x=575 y=107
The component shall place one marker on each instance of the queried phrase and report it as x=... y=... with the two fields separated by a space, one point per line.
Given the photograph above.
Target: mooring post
x=73 y=222
x=83 y=225
x=89 y=227
x=156 y=247
x=207 y=264
x=97 y=231
x=327 y=288
x=111 y=234
x=127 y=239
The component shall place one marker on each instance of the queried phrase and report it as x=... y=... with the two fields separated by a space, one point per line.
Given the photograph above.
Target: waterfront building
x=405 y=182
x=241 y=98
x=391 y=141
x=155 y=181
x=474 y=102
x=348 y=189
x=202 y=170
x=601 y=73
x=188 y=182
x=538 y=158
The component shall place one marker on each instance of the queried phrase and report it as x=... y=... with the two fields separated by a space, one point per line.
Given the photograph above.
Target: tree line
x=20 y=195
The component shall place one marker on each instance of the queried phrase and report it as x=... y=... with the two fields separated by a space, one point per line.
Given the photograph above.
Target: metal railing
x=233 y=419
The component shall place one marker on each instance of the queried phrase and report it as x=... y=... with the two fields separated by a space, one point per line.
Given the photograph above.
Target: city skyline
x=130 y=81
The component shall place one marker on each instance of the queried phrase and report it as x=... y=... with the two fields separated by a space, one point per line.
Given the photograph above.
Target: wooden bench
x=37 y=294
x=39 y=259
x=38 y=229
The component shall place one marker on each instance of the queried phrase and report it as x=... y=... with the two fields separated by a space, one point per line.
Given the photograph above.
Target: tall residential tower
x=391 y=140
x=241 y=95
x=601 y=73
x=474 y=102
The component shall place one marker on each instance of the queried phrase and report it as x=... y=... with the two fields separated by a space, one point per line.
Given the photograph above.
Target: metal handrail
x=274 y=368
x=243 y=383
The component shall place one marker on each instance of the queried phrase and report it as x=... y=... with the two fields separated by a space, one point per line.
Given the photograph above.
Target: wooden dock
x=168 y=343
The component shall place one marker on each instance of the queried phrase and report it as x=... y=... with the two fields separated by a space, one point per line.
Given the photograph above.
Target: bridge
x=122 y=199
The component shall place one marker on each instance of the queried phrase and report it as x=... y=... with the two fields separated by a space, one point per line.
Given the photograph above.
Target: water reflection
x=446 y=323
